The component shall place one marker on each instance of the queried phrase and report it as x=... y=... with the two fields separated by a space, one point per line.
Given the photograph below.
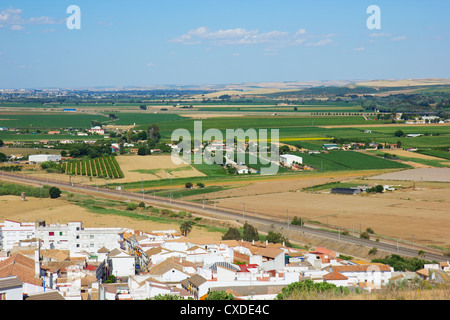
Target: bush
x=132 y=206
x=141 y=204
x=200 y=185
x=370 y=230
x=232 y=234
x=364 y=235
x=373 y=251
x=54 y=192
x=166 y=211
x=188 y=185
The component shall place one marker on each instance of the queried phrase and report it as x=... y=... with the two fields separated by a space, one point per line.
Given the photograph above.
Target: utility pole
x=287 y=217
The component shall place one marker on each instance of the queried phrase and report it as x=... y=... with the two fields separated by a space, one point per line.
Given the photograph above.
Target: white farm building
x=39 y=158
x=289 y=159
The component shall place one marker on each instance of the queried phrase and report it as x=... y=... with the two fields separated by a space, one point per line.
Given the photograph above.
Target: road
x=218 y=212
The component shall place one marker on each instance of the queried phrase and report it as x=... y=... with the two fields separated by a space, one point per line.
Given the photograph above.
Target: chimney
x=37 y=258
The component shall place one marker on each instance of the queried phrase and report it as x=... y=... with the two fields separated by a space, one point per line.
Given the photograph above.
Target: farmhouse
x=289 y=159
x=97 y=130
x=330 y=146
x=39 y=158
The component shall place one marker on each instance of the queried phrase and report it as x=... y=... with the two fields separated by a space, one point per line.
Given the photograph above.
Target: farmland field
x=48 y=120
x=102 y=167
x=345 y=160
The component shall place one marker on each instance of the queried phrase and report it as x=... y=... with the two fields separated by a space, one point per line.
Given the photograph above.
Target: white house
x=39 y=158
x=289 y=159
x=12 y=232
x=378 y=274
x=11 y=288
x=97 y=130
x=121 y=264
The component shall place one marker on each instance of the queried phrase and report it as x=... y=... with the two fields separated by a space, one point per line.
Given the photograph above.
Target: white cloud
x=399 y=38
x=17 y=27
x=379 y=35
x=13 y=17
x=320 y=43
x=242 y=36
x=359 y=49
x=150 y=65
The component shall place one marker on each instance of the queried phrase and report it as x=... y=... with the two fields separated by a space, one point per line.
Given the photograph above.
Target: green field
x=49 y=120
x=348 y=160
x=436 y=153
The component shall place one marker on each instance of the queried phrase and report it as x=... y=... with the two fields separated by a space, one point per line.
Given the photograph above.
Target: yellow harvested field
x=400 y=214
x=404 y=83
x=408 y=154
x=62 y=211
x=154 y=167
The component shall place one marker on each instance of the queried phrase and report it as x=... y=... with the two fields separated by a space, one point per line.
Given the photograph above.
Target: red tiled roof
x=20 y=266
x=334 y=275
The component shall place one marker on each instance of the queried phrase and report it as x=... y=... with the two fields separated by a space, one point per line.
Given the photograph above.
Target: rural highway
x=218 y=212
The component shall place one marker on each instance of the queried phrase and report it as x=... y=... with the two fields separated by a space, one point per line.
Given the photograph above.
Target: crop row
x=102 y=167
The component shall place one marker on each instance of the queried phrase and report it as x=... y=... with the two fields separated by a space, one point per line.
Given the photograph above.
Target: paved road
x=218 y=212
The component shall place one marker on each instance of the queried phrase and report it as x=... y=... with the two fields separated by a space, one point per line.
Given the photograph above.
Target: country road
x=219 y=212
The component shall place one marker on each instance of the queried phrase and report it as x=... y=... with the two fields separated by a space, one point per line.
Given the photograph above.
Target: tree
x=370 y=230
x=3 y=157
x=186 y=227
x=250 y=233
x=276 y=237
x=364 y=235
x=111 y=279
x=373 y=250
x=54 y=192
x=200 y=185
x=219 y=295
x=1 y=143
x=142 y=151
x=399 y=133
x=399 y=144
x=188 y=185
x=232 y=234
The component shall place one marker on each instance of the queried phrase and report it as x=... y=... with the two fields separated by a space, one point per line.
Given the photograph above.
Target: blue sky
x=184 y=42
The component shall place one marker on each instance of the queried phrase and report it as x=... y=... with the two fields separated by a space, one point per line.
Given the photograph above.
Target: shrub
x=166 y=211
x=141 y=204
x=54 y=192
x=364 y=235
x=132 y=206
x=373 y=251
x=370 y=230
x=200 y=185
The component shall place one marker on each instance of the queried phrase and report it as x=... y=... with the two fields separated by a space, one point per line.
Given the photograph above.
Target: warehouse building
x=39 y=158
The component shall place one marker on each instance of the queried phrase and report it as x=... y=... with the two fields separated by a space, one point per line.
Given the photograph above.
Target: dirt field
x=408 y=154
x=62 y=211
x=157 y=167
x=418 y=174
x=401 y=214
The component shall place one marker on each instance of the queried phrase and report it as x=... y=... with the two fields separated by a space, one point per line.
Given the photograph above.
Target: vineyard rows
x=102 y=167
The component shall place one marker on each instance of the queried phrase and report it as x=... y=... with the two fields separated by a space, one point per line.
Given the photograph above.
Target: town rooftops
x=362 y=268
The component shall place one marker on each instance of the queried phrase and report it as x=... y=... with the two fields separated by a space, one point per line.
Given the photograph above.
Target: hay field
x=401 y=214
x=62 y=211
x=154 y=167
x=418 y=174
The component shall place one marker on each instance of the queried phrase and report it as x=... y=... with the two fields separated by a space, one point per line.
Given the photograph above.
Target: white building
x=11 y=288
x=12 y=232
x=121 y=264
x=97 y=130
x=289 y=159
x=39 y=158
x=74 y=237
